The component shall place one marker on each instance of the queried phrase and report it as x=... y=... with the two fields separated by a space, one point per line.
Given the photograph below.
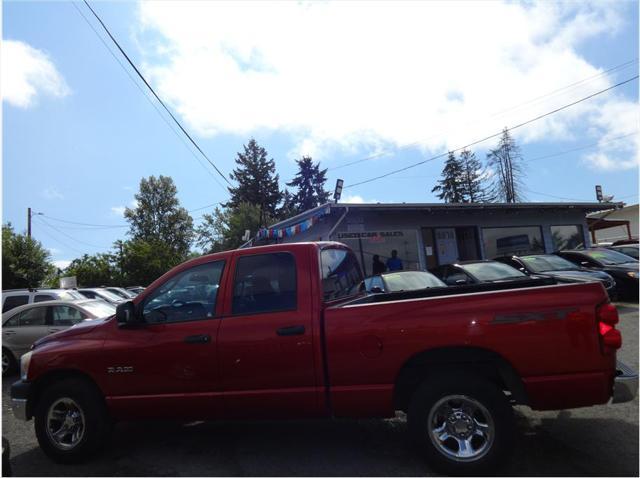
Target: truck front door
x=266 y=338
x=167 y=366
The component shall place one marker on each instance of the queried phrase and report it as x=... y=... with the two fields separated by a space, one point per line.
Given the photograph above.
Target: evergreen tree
x=158 y=216
x=472 y=178
x=257 y=181
x=310 y=183
x=506 y=162
x=287 y=209
x=450 y=187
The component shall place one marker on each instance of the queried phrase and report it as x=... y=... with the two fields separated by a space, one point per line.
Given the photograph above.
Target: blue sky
x=342 y=82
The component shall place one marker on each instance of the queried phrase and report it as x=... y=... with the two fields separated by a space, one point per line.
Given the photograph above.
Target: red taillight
x=607 y=319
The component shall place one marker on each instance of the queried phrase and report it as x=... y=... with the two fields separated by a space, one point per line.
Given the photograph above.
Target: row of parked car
x=617 y=272
x=29 y=314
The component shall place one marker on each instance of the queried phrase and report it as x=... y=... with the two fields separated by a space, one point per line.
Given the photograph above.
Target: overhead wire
x=567 y=87
x=144 y=80
x=537 y=118
x=41 y=219
x=149 y=100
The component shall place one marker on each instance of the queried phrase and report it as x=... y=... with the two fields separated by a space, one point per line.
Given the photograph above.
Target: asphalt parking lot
x=600 y=440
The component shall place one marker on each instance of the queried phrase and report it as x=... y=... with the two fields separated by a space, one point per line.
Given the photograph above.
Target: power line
x=155 y=94
x=416 y=143
x=155 y=107
x=493 y=135
x=559 y=153
x=70 y=237
x=592 y=145
x=105 y=226
x=205 y=207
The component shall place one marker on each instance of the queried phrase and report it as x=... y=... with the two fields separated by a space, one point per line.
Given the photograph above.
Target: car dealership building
x=426 y=235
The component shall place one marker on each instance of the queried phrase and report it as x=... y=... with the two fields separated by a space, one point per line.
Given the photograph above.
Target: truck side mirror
x=376 y=290
x=126 y=313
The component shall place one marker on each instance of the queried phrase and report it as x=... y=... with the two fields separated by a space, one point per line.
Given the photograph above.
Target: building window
x=567 y=237
x=381 y=243
x=507 y=241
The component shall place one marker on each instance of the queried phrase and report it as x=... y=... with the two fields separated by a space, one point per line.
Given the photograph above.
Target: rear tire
x=9 y=362
x=71 y=421
x=463 y=424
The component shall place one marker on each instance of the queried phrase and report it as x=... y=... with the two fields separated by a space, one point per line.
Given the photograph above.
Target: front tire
x=9 y=363
x=463 y=424
x=71 y=421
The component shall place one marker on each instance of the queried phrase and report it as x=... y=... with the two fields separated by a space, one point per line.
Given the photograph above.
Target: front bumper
x=625 y=386
x=20 y=400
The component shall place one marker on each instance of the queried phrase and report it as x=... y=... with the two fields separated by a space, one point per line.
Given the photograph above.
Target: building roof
x=585 y=206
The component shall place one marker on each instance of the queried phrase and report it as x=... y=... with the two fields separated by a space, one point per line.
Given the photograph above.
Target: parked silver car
x=121 y=292
x=102 y=293
x=23 y=325
x=17 y=297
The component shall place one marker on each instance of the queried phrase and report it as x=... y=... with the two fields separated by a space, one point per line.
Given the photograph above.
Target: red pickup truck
x=283 y=331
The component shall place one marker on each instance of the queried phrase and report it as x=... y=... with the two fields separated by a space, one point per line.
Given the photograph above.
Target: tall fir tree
x=287 y=209
x=472 y=178
x=309 y=181
x=450 y=187
x=257 y=181
x=506 y=163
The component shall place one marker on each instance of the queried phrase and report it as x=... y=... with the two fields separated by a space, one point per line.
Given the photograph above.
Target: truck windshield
x=550 y=262
x=340 y=273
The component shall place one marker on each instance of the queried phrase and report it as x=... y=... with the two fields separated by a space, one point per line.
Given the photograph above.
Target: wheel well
x=41 y=384
x=479 y=361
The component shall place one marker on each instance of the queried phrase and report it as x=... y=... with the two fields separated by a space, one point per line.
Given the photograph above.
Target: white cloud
x=52 y=193
x=118 y=210
x=367 y=77
x=62 y=264
x=53 y=251
x=356 y=199
x=28 y=72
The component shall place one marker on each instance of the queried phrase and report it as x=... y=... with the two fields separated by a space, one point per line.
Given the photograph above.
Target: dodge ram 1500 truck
x=283 y=331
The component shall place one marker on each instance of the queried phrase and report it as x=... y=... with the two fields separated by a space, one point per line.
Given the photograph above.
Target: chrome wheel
x=6 y=362
x=65 y=424
x=461 y=428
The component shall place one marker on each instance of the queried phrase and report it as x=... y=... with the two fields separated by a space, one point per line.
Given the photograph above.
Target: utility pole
x=29 y=222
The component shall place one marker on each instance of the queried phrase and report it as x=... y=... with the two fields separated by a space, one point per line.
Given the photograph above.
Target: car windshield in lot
x=70 y=295
x=548 y=262
x=608 y=257
x=99 y=308
x=411 y=280
x=490 y=271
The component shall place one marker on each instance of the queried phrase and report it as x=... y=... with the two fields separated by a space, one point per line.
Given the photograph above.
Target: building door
x=467 y=243
x=429 y=242
x=446 y=245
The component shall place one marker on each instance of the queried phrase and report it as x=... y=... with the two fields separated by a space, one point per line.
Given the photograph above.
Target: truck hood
x=80 y=328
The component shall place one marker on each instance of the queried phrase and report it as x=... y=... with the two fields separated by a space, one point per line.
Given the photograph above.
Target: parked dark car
x=623 y=268
x=400 y=281
x=628 y=249
x=475 y=272
x=551 y=265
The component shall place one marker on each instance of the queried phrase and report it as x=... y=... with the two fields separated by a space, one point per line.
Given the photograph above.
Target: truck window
x=265 y=283
x=14 y=301
x=190 y=295
x=340 y=273
x=43 y=297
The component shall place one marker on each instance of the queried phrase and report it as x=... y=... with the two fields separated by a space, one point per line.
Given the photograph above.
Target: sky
x=381 y=85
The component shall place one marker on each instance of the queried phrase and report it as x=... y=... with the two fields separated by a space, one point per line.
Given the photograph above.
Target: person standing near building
x=394 y=263
x=378 y=265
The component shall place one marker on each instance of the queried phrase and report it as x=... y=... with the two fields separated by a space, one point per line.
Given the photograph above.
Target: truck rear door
x=265 y=340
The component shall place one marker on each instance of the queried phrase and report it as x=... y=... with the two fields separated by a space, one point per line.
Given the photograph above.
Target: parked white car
x=23 y=325
x=102 y=293
x=17 y=297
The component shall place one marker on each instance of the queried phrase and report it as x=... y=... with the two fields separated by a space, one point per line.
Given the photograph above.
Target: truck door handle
x=293 y=330
x=198 y=339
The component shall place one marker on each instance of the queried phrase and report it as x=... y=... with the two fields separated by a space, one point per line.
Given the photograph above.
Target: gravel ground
x=600 y=440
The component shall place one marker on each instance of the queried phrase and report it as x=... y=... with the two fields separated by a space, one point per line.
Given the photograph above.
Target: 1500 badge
x=119 y=369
